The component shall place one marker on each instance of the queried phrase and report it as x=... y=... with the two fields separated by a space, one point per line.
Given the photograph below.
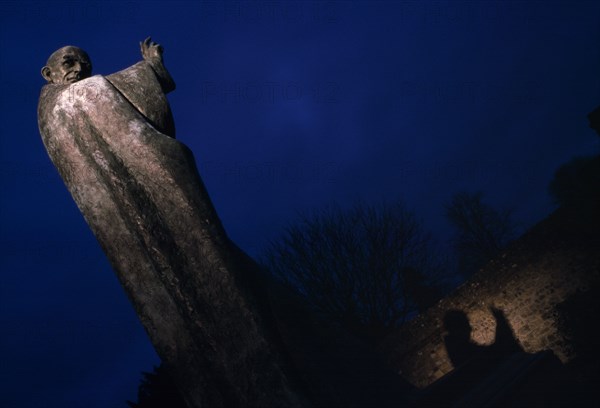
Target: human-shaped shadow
x=461 y=349
x=498 y=375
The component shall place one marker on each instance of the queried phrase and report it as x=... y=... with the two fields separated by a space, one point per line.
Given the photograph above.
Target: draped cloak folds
x=229 y=336
x=139 y=191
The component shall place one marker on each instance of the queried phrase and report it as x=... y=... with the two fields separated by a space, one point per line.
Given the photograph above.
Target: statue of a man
x=228 y=335
x=112 y=140
x=137 y=84
x=67 y=65
x=70 y=64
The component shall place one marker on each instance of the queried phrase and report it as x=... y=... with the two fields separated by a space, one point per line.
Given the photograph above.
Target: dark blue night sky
x=288 y=107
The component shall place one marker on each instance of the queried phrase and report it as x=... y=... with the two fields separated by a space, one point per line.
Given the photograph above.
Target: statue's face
x=67 y=65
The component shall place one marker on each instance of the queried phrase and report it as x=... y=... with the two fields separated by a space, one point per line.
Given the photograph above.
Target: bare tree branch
x=352 y=265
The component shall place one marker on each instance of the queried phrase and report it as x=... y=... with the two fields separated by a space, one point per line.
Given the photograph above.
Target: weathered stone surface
x=141 y=195
x=555 y=261
x=229 y=336
x=139 y=85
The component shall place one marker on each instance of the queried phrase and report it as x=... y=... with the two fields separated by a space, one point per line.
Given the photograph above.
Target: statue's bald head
x=67 y=65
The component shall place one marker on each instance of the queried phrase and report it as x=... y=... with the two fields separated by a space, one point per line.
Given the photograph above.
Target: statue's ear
x=46 y=73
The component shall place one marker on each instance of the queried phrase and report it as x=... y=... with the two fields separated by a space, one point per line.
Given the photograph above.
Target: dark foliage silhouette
x=366 y=269
x=481 y=230
x=576 y=183
x=594 y=119
x=157 y=390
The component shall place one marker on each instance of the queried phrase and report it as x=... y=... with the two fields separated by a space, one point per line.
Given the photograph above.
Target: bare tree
x=481 y=231
x=367 y=269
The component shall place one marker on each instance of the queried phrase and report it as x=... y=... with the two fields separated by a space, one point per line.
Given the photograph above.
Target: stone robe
x=139 y=191
x=228 y=335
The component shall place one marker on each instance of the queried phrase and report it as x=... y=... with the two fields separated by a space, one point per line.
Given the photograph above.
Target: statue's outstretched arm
x=152 y=53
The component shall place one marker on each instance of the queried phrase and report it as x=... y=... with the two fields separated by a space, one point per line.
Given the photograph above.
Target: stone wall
x=551 y=263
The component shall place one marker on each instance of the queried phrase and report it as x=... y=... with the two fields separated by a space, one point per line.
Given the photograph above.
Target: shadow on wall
x=498 y=375
x=461 y=350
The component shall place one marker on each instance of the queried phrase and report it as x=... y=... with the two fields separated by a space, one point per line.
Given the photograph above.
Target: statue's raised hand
x=151 y=51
